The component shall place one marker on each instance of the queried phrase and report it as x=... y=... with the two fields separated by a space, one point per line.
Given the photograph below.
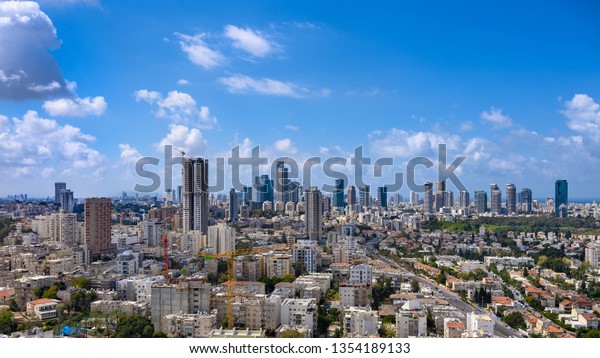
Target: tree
x=14 y=306
x=290 y=333
x=51 y=292
x=515 y=320
x=415 y=286
x=594 y=333
x=7 y=325
x=134 y=326
x=81 y=301
x=81 y=282
x=299 y=268
x=159 y=334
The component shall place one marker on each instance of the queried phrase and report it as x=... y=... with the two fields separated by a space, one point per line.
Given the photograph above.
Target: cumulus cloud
x=129 y=154
x=179 y=107
x=249 y=40
x=406 y=144
x=583 y=115
x=76 y=107
x=34 y=141
x=185 y=138
x=27 y=70
x=495 y=117
x=245 y=84
x=198 y=51
x=285 y=146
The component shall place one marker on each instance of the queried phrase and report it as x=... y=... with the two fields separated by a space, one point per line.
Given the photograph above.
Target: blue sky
x=88 y=87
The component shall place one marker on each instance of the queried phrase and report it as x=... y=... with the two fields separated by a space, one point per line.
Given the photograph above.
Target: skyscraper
x=526 y=200
x=351 y=195
x=234 y=205
x=195 y=194
x=338 y=194
x=313 y=215
x=66 y=200
x=382 y=197
x=264 y=189
x=480 y=201
x=247 y=195
x=464 y=199
x=511 y=198
x=496 y=199
x=440 y=186
x=282 y=183
x=364 y=195
x=97 y=226
x=428 y=198
x=58 y=186
x=561 y=197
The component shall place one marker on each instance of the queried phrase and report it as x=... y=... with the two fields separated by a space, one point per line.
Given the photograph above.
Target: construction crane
x=166 y=257
x=180 y=151
x=230 y=283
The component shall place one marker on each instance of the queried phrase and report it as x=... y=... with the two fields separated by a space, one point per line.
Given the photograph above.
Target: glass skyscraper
x=561 y=197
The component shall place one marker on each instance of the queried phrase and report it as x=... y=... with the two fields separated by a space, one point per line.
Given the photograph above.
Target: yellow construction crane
x=230 y=283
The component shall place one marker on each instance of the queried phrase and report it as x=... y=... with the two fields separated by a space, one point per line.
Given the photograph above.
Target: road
x=501 y=329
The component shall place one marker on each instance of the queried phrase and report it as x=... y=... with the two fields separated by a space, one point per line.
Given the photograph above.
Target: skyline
x=509 y=87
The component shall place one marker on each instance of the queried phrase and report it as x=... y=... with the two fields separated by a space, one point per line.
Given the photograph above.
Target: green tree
x=515 y=320
x=134 y=326
x=7 y=325
x=159 y=334
x=594 y=333
x=81 y=301
x=51 y=292
x=81 y=282
x=415 y=286
x=14 y=306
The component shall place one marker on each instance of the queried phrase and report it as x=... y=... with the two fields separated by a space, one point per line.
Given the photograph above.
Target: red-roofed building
x=43 y=309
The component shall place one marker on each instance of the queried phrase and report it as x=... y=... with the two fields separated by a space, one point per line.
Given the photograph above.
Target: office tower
x=282 y=183
x=561 y=198
x=438 y=201
x=428 y=197
x=338 y=194
x=66 y=200
x=326 y=203
x=221 y=239
x=397 y=198
x=364 y=195
x=351 y=195
x=195 y=194
x=58 y=186
x=414 y=198
x=511 y=198
x=97 y=226
x=169 y=196
x=480 y=201
x=496 y=199
x=313 y=216
x=464 y=199
x=179 y=198
x=247 y=195
x=382 y=197
x=234 y=205
x=526 y=200
x=448 y=198
x=440 y=186
x=294 y=191
x=264 y=189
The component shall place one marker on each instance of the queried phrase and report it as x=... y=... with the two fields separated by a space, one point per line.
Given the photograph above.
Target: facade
x=480 y=323
x=592 y=255
x=526 y=200
x=313 y=217
x=561 y=197
x=58 y=186
x=480 y=202
x=382 y=197
x=495 y=199
x=305 y=251
x=351 y=196
x=195 y=194
x=411 y=320
x=152 y=232
x=188 y=325
x=43 y=309
x=234 y=205
x=464 y=199
x=428 y=197
x=364 y=194
x=97 y=226
x=66 y=200
x=511 y=199
x=189 y=296
x=360 y=322
x=338 y=194
x=299 y=312
x=221 y=239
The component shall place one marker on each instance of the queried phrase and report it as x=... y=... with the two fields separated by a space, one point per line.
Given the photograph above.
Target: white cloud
x=187 y=139
x=251 y=41
x=129 y=154
x=404 y=144
x=292 y=128
x=27 y=69
x=244 y=84
x=198 y=51
x=466 y=126
x=179 y=107
x=61 y=3
x=34 y=141
x=304 y=25
x=583 y=115
x=285 y=146
x=183 y=82
x=496 y=118
x=76 y=107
